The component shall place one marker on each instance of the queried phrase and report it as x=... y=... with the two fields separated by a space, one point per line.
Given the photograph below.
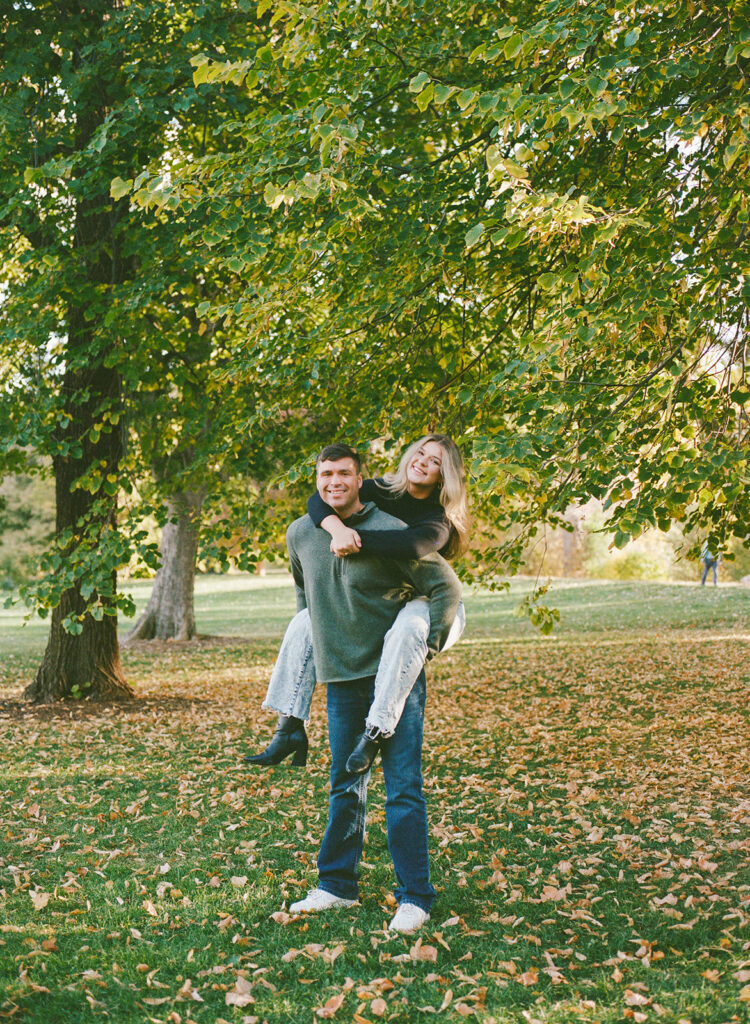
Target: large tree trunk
x=87 y=663
x=169 y=614
x=82 y=656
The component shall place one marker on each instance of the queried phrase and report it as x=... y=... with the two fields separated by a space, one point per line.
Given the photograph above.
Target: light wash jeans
x=292 y=682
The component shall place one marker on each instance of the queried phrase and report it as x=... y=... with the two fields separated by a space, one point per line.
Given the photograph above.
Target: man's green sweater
x=354 y=600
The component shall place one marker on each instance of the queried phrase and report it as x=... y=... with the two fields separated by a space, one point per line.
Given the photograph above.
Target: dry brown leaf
x=241 y=994
x=331 y=1006
x=378 y=1006
x=150 y=908
x=423 y=953
x=39 y=899
x=186 y=991
x=529 y=977
x=635 y=998
x=281 y=917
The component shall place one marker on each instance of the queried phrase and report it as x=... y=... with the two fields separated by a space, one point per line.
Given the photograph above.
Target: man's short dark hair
x=335 y=452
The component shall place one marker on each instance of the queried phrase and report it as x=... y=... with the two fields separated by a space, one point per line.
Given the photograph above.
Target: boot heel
x=300 y=757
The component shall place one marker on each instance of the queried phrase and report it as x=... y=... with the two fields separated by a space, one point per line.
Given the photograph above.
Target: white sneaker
x=408 y=918
x=317 y=900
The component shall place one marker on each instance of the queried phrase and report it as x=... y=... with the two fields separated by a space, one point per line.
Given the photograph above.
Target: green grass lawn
x=589 y=810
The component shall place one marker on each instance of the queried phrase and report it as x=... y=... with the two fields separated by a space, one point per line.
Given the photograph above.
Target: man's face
x=338 y=485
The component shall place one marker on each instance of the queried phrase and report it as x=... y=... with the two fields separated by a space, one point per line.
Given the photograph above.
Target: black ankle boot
x=290 y=738
x=363 y=755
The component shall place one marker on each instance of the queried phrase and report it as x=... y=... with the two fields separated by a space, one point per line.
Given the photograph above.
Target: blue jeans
x=292 y=683
x=405 y=809
x=709 y=564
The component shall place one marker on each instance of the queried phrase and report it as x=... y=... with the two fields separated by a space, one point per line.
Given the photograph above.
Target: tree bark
x=87 y=664
x=169 y=614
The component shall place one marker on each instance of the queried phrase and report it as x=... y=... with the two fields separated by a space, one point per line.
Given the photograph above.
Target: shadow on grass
x=83 y=709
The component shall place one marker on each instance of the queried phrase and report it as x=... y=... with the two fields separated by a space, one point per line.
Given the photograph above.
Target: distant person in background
x=710 y=561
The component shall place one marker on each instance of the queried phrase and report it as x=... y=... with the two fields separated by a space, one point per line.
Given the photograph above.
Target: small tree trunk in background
x=169 y=614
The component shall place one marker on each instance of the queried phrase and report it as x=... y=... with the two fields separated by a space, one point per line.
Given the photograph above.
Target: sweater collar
x=367 y=509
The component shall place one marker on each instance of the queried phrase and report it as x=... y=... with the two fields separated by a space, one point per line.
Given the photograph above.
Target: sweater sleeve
x=317 y=509
x=433 y=577
x=296 y=567
x=415 y=541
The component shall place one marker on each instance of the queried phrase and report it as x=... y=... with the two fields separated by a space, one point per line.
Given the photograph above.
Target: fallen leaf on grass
x=745 y=994
x=241 y=994
x=150 y=908
x=187 y=991
x=281 y=917
x=635 y=998
x=421 y=952
x=39 y=899
x=238 y=881
x=378 y=1006
x=331 y=1006
x=529 y=977
x=313 y=950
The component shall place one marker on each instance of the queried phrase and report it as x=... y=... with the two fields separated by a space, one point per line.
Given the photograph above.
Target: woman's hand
x=344 y=540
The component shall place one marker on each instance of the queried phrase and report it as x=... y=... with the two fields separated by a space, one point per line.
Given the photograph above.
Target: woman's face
x=424 y=470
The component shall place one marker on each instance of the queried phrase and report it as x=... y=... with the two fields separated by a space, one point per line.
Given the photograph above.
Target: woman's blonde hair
x=451 y=489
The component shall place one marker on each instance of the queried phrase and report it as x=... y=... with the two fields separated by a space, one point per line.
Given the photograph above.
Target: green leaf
x=513 y=46
x=442 y=93
x=515 y=170
x=466 y=98
x=419 y=81
x=118 y=188
x=424 y=98
x=632 y=37
x=474 y=234
x=493 y=157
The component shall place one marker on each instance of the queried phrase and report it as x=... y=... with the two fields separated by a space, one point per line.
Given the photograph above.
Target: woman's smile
x=425 y=470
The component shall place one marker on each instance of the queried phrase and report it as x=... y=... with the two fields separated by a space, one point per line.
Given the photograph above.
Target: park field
x=589 y=808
